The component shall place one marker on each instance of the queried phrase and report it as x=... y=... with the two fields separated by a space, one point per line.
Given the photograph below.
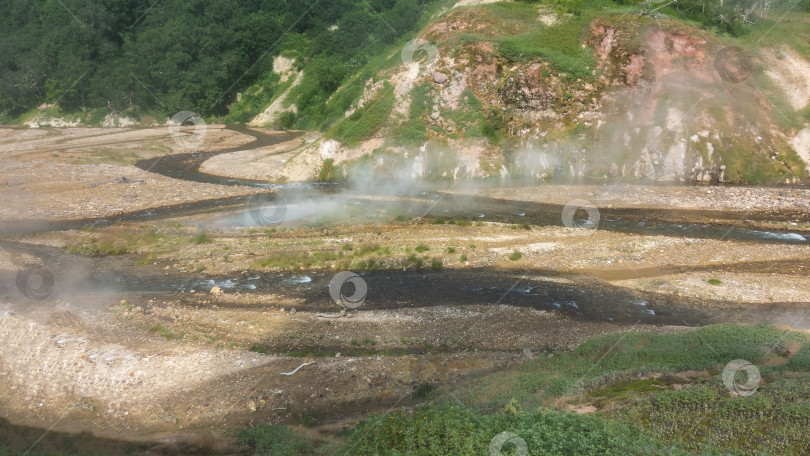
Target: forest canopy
x=160 y=57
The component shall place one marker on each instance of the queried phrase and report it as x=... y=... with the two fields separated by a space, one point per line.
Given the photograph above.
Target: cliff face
x=485 y=91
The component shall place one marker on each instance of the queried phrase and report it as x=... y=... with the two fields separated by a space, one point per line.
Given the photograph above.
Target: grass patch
x=366 y=122
x=450 y=429
x=422 y=391
x=201 y=238
x=559 y=45
x=278 y=440
x=647 y=415
x=167 y=333
x=98 y=248
x=328 y=172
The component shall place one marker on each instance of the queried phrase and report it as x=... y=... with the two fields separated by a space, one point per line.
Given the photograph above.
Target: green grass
x=714 y=281
x=276 y=440
x=257 y=97
x=365 y=122
x=422 y=248
x=559 y=45
x=450 y=429
x=167 y=333
x=640 y=414
x=514 y=256
x=117 y=243
x=365 y=256
x=201 y=238
x=98 y=248
x=328 y=172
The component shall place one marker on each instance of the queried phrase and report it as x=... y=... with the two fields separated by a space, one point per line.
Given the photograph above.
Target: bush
x=202 y=238
x=276 y=440
x=327 y=172
x=454 y=430
x=365 y=122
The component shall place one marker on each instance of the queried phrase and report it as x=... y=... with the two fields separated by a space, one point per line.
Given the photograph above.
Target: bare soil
x=140 y=346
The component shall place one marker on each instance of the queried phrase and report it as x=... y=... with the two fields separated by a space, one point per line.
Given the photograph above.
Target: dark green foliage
x=454 y=430
x=650 y=416
x=139 y=57
x=327 y=172
x=275 y=440
x=254 y=99
x=202 y=238
x=365 y=122
x=423 y=390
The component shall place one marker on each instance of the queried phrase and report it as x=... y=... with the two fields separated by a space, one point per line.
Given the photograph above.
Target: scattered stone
x=439 y=78
x=614 y=170
x=216 y=291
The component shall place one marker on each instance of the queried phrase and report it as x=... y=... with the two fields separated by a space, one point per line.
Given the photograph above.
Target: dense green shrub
x=448 y=429
x=365 y=122
x=275 y=440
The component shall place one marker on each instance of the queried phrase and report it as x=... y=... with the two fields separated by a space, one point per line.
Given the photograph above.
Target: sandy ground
x=792 y=203
x=149 y=362
x=256 y=164
x=72 y=173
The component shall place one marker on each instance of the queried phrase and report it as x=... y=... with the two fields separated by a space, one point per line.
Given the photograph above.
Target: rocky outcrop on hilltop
x=649 y=100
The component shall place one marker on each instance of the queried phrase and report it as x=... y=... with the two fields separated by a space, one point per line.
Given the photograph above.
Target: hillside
x=687 y=90
x=530 y=89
